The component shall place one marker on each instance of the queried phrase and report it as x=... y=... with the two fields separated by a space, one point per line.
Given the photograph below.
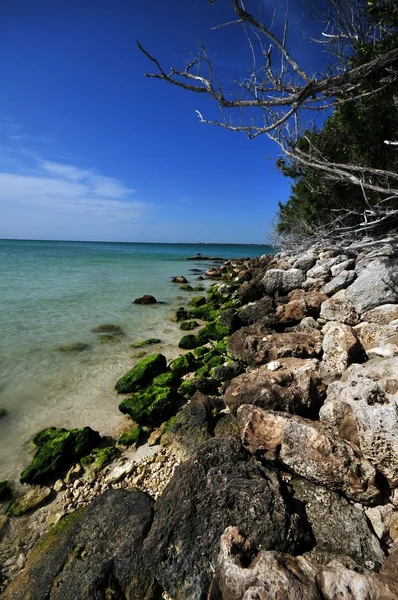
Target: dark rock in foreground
x=212 y=490
x=95 y=553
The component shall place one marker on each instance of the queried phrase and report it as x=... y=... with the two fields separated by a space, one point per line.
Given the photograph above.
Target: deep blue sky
x=90 y=149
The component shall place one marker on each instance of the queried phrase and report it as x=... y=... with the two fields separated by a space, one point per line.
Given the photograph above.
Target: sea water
x=55 y=293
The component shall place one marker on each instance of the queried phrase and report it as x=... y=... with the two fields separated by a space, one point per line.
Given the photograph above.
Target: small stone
x=274 y=365
x=59 y=485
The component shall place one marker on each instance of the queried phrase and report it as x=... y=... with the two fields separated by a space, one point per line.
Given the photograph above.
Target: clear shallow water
x=54 y=293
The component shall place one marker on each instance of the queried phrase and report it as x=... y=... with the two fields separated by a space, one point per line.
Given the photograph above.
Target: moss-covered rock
x=187 y=388
x=131 y=437
x=189 y=342
x=147 y=342
x=211 y=354
x=73 y=347
x=222 y=345
x=185 y=363
x=56 y=451
x=206 y=312
x=98 y=459
x=201 y=351
x=5 y=490
x=203 y=371
x=199 y=288
x=197 y=301
x=151 y=406
x=213 y=331
x=139 y=354
x=108 y=338
x=29 y=502
x=142 y=374
x=186 y=287
x=215 y=361
x=181 y=314
x=109 y=328
x=3 y=412
x=167 y=379
x=188 y=325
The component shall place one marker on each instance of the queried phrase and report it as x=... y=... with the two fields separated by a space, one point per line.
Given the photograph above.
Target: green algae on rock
x=197 y=301
x=147 y=342
x=187 y=388
x=5 y=490
x=108 y=328
x=167 y=379
x=98 y=459
x=3 y=412
x=185 y=363
x=108 y=338
x=29 y=502
x=141 y=374
x=57 y=450
x=188 y=325
x=186 y=287
x=180 y=314
x=189 y=342
x=72 y=347
x=152 y=405
x=131 y=437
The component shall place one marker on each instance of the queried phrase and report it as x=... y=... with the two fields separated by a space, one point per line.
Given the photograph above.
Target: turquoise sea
x=54 y=293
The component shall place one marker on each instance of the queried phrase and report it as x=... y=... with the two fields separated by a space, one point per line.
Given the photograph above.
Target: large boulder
x=250 y=291
x=341 y=347
x=310 y=450
x=217 y=487
x=254 y=345
x=340 y=282
x=93 y=553
x=141 y=374
x=282 y=282
x=262 y=311
x=377 y=283
x=56 y=451
x=300 y=304
x=339 y=308
x=245 y=573
x=363 y=409
x=294 y=387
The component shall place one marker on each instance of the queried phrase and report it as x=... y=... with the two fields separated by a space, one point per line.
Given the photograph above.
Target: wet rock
x=5 y=490
x=363 y=409
x=189 y=325
x=262 y=311
x=254 y=345
x=146 y=299
x=95 y=552
x=230 y=319
x=148 y=342
x=207 y=493
x=377 y=283
x=310 y=450
x=295 y=387
x=340 y=308
x=152 y=405
x=73 y=347
x=340 y=282
x=243 y=572
x=35 y=498
x=56 y=451
x=339 y=527
x=109 y=328
x=341 y=347
x=179 y=279
x=142 y=374
x=282 y=282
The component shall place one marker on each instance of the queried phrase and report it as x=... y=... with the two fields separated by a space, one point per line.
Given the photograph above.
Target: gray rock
x=343 y=280
x=341 y=347
x=377 y=283
x=305 y=262
x=94 y=553
x=283 y=282
x=216 y=488
x=346 y=265
x=321 y=270
x=363 y=409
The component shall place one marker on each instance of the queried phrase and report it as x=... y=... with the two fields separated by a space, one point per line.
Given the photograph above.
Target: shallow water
x=55 y=293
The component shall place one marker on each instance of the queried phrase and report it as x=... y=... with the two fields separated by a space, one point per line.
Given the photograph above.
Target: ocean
x=55 y=293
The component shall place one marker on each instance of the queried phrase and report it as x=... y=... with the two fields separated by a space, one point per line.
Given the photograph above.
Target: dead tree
x=279 y=94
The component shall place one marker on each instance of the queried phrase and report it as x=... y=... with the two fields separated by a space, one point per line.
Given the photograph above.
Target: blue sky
x=90 y=149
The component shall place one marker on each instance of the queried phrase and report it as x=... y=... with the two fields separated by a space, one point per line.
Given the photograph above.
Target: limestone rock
x=244 y=573
x=301 y=304
x=295 y=387
x=382 y=315
x=340 y=282
x=346 y=265
x=341 y=348
x=310 y=450
x=93 y=553
x=377 y=283
x=321 y=270
x=254 y=345
x=305 y=262
x=339 y=308
x=208 y=493
x=283 y=282
x=363 y=409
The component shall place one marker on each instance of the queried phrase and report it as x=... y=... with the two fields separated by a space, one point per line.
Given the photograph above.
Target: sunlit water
x=54 y=293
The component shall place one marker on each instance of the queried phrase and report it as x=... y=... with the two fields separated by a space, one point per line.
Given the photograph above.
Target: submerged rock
x=142 y=374
x=56 y=451
x=73 y=347
x=108 y=328
x=146 y=299
x=179 y=279
x=147 y=342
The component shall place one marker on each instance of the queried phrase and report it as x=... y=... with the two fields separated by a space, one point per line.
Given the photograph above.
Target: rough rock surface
x=243 y=573
x=207 y=494
x=340 y=282
x=383 y=315
x=95 y=553
x=254 y=345
x=262 y=311
x=339 y=308
x=301 y=304
x=363 y=409
x=377 y=283
x=283 y=282
x=341 y=347
x=309 y=450
x=294 y=387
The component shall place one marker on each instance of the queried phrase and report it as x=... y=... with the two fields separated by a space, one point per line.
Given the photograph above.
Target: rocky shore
x=261 y=463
